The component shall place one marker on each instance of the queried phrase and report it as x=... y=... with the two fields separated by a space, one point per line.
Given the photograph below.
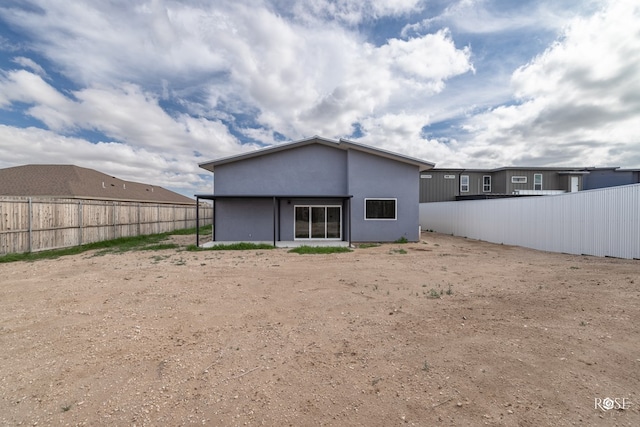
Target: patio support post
x=274 y=221
x=197 y=222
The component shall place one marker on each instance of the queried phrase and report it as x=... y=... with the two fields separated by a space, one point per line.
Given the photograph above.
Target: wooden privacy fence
x=29 y=224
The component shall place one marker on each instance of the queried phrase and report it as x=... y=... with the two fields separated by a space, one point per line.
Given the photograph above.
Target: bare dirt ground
x=447 y=331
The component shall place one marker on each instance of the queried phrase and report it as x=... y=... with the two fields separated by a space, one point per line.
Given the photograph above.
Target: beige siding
x=39 y=224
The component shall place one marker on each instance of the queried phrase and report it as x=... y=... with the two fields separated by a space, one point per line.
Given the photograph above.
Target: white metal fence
x=603 y=222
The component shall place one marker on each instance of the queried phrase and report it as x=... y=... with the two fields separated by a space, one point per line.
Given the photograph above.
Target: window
x=486 y=183
x=449 y=177
x=425 y=176
x=318 y=222
x=518 y=179
x=464 y=183
x=537 y=181
x=380 y=209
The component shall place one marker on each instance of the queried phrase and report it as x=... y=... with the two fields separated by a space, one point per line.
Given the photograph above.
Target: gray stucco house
x=315 y=191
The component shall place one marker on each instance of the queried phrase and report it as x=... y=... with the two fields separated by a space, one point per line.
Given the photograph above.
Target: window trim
x=535 y=184
x=485 y=185
x=295 y=207
x=518 y=179
x=395 y=200
x=462 y=185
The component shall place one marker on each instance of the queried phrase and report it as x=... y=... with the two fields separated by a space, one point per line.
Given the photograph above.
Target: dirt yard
x=447 y=331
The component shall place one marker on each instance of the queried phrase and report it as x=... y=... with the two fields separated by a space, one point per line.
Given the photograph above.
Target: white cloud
x=485 y=16
x=579 y=99
x=347 y=11
x=30 y=64
x=171 y=80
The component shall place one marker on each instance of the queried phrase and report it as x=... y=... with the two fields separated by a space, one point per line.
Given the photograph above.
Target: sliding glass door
x=318 y=222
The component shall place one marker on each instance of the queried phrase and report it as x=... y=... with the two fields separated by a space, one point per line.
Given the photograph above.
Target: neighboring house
x=610 y=177
x=316 y=191
x=441 y=185
x=74 y=182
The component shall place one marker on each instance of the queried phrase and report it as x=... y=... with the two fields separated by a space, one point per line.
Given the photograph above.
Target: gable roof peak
x=341 y=143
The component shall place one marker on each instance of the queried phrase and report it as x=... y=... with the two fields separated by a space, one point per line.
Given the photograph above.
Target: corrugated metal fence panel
x=34 y=224
x=603 y=222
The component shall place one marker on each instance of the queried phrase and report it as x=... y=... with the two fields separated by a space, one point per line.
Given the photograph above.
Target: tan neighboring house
x=74 y=182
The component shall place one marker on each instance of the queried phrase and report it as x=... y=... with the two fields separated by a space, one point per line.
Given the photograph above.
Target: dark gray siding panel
x=437 y=188
x=499 y=183
x=244 y=220
x=309 y=170
x=376 y=177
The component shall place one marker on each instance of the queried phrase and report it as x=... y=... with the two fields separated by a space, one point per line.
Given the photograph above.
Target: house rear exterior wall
x=372 y=176
x=317 y=170
x=244 y=220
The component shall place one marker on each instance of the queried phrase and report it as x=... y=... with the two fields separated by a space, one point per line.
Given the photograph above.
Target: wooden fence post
x=80 y=222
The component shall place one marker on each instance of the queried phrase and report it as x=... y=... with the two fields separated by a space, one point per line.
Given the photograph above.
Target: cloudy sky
x=146 y=89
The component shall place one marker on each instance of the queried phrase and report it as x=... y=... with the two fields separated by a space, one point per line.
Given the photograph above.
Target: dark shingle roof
x=74 y=182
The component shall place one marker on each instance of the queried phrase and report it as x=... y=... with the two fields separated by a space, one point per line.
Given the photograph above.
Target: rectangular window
x=537 y=181
x=449 y=177
x=518 y=179
x=318 y=222
x=425 y=176
x=486 y=183
x=380 y=209
x=464 y=183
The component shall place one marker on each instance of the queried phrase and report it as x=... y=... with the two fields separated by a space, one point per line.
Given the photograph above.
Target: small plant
x=449 y=291
x=401 y=240
x=159 y=247
x=398 y=251
x=433 y=294
x=583 y=323
x=157 y=258
x=368 y=245
x=65 y=408
x=425 y=366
